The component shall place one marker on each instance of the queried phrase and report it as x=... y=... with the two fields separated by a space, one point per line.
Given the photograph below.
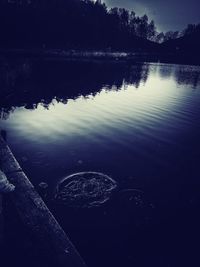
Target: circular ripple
x=85 y=189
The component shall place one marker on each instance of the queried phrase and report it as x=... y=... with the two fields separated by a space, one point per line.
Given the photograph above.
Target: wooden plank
x=35 y=214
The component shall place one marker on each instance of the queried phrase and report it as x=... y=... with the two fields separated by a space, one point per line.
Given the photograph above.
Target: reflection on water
x=27 y=84
x=139 y=124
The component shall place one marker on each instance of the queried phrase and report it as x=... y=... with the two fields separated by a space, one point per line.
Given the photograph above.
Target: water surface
x=139 y=124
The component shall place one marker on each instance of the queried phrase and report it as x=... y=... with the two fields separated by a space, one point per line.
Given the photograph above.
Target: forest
x=79 y=25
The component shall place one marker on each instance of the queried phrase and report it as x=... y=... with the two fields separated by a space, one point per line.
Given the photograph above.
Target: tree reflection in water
x=28 y=83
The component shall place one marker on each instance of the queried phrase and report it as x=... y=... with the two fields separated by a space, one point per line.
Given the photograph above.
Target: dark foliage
x=72 y=24
x=188 y=43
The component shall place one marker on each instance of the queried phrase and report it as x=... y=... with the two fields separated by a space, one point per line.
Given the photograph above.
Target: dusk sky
x=168 y=15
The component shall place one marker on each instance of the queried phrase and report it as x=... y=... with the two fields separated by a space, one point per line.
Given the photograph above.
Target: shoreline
x=90 y=55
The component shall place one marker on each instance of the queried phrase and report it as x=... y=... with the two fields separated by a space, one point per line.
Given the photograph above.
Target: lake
x=137 y=123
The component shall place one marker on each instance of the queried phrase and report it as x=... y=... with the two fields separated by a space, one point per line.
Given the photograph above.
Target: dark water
x=139 y=124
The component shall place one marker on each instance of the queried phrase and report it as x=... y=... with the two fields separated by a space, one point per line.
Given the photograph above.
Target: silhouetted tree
x=151 y=32
x=159 y=37
x=170 y=35
x=191 y=29
x=71 y=24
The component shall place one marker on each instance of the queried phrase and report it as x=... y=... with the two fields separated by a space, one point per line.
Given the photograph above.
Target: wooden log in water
x=35 y=215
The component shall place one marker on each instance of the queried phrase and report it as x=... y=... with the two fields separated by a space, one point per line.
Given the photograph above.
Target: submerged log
x=35 y=215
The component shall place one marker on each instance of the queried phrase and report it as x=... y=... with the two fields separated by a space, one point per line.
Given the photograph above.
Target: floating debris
x=85 y=189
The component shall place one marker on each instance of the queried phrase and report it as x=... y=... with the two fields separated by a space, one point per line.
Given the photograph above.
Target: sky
x=168 y=15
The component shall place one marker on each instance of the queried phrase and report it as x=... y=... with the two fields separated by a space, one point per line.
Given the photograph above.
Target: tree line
x=172 y=35
x=75 y=24
x=71 y=24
